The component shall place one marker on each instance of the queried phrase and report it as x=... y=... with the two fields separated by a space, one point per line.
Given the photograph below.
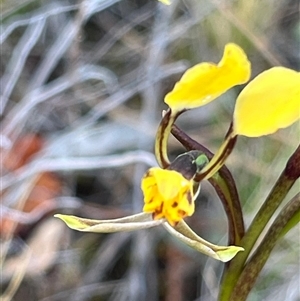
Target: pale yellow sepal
x=166 y=2
x=269 y=102
x=206 y=81
x=144 y=221
x=186 y=235
x=129 y=223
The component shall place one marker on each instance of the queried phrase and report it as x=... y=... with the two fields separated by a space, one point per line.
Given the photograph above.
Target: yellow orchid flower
x=269 y=102
x=169 y=197
x=204 y=82
x=167 y=194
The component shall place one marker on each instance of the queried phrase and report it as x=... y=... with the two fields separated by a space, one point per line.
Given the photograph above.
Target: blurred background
x=82 y=88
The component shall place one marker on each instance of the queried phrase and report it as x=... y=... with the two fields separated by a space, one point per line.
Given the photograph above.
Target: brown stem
x=224 y=186
x=292 y=169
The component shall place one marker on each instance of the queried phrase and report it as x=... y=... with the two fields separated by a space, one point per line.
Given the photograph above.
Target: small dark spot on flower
x=174 y=205
x=157 y=212
x=181 y=213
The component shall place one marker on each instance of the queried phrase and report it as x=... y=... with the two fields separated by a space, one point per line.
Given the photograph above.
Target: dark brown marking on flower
x=160 y=209
x=150 y=201
x=174 y=205
x=189 y=197
x=147 y=174
x=181 y=213
x=175 y=224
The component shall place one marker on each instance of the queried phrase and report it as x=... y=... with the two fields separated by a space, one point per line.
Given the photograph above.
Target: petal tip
x=229 y=253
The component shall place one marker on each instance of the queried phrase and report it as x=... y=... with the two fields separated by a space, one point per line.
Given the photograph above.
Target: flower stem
x=286 y=220
x=162 y=136
x=275 y=198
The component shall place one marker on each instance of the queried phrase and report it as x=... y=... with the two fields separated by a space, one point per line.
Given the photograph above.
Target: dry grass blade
x=18 y=59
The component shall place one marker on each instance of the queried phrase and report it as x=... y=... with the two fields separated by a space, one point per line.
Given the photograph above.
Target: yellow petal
x=269 y=102
x=206 y=81
x=166 y=2
x=174 y=210
x=169 y=182
x=167 y=194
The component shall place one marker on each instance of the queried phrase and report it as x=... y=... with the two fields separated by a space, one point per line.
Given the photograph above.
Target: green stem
x=287 y=218
x=275 y=198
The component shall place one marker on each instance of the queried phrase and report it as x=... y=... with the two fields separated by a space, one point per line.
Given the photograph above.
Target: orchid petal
x=185 y=234
x=204 y=82
x=129 y=223
x=269 y=102
x=167 y=194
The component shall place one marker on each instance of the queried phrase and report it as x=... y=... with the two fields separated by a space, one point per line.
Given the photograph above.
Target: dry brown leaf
x=22 y=151
x=41 y=198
